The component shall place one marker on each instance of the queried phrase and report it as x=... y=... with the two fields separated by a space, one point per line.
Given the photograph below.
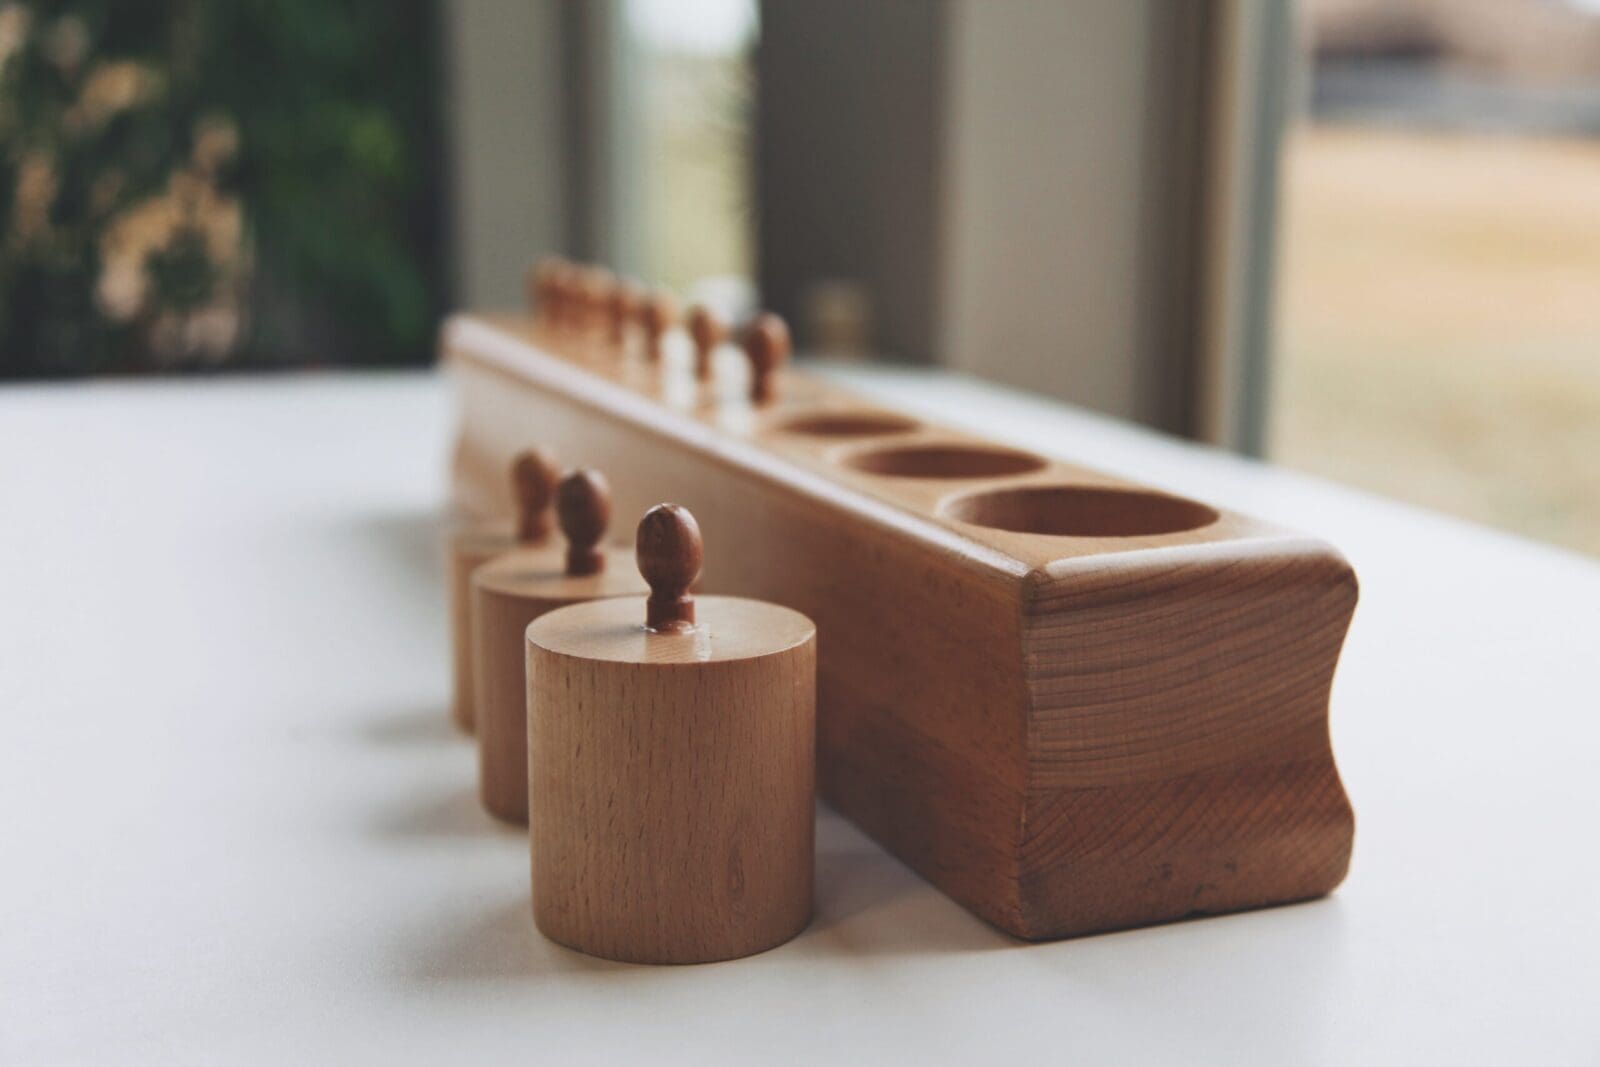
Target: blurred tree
x=188 y=183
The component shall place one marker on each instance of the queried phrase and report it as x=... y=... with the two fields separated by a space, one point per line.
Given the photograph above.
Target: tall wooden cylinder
x=508 y=594
x=469 y=548
x=672 y=778
x=533 y=481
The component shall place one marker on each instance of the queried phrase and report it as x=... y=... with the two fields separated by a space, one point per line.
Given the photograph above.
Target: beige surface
x=270 y=850
x=1439 y=331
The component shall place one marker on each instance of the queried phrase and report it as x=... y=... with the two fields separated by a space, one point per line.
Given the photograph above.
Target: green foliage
x=242 y=181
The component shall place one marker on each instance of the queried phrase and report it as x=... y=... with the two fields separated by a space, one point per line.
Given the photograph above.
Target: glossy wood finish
x=1072 y=703
x=584 y=502
x=672 y=779
x=670 y=554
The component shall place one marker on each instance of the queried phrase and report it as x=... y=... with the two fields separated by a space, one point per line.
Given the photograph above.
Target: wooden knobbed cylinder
x=533 y=481
x=658 y=313
x=707 y=331
x=595 y=286
x=621 y=310
x=767 y=344
x=671 y=747
x=543 y=283
x=509 y=593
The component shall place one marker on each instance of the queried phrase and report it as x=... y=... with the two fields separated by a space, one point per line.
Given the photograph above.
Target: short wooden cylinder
x=468 y=549
x=507 y=594
x=672 y=780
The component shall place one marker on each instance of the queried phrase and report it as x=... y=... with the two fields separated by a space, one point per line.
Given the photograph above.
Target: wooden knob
x=595 y=285
x=533 y=483
x=669 y=551
x=532 y=289
x=766 y=342
x=622 y=309
x=708 y=332
x=658 y=314
x=508 y=592
x=583 y=507
x=565 y=290
x=544 y=284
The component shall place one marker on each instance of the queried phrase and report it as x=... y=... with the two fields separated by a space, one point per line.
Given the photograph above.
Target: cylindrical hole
x=1081 y=511
x=849 y=424
x=944 y=461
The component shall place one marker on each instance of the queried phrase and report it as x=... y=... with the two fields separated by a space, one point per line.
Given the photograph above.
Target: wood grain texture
x=672 y=779
x=508 y=593
x=1071 y=702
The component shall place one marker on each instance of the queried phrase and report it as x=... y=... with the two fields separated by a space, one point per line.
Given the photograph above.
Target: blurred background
x=1359 y=238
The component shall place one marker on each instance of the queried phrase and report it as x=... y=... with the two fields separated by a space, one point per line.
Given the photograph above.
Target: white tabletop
x=237 y=827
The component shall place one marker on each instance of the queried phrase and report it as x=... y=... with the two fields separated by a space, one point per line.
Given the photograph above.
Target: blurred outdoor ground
x=695 y=169
x=1438 y=318
x=1439 y=323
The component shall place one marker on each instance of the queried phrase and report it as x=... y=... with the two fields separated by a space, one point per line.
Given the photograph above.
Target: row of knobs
x=594 y=301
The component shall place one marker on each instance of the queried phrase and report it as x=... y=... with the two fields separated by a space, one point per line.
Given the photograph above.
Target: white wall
x=1041 y=274
x=505 y=122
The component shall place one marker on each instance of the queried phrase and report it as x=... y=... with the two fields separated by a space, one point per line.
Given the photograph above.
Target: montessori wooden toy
x=672 y=766
x=508 y=593
x=532 y=484
x=1071 y=702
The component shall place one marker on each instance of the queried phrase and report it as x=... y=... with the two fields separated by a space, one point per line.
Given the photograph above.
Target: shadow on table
x=413 y=541
x=425 y=724
x=457 y=814
x=398 y=559
x=868 y=905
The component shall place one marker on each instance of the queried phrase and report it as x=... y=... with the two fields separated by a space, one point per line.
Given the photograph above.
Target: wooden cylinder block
x=533 y=481
x=508 y=594
x=672 y=779
x=469 y=548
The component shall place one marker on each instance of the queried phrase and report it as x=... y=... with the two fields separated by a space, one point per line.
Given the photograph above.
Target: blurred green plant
x=240 y=182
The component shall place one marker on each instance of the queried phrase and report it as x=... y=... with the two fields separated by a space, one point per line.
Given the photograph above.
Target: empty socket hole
x=849 y=424
x=1079 y=511
x=944 y=461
